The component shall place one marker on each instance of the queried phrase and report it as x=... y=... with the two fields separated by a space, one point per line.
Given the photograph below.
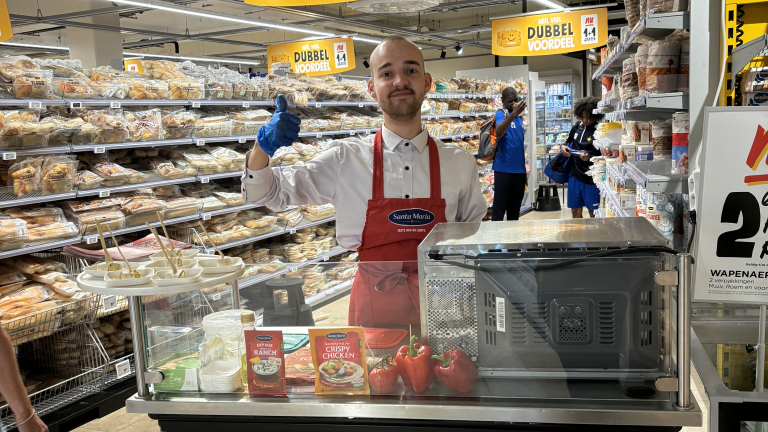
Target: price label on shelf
x=246 y=104
x=294 y=269
x=109 y=303
x=205 y=179
x=216 y=297
x=207 y=216
x=200 y=143
x=195 y=104
x=35 y=105
x=9 y=156
x=100 y=149
x=429 y=117
x=91 y=240
x=461 y=115
x=367 y=131
x=325 y=258
x=319 y=135
x=293 y=231
x=318 y=105
x=351 y=132
x=104 y=193
x=123 y=369
x=360 y=105
x=114 y=104
x=242 y=140
x=71 y=104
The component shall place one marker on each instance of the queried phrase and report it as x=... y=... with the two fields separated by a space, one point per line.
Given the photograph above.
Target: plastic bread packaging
x=90 y=205
x=111 y=126
x=52 y=231
x=230 y=198
x=218 y=90
x=641 y=60
x=214 y=126
x=25 y=115
x=185 y=88
x=86 y=180
x=109 y=89
x=662 y=67
x=233 y=160
x=58 y=174
x=112 y=173
x=227 y=217
x=29 y=294
x=37 y=216
x=661 y=138
x=14 y=66
x=61 y=71
x=108 y=219
x=262 y=222
x=221 y=226
x=179 y=123
x=139 y=204
x=147 y=89
x=24 y=176
x=68 y=130
x=182 y=206
x=32 y=84
x=210 y=204
x=73 y=88
x=204 y=162
x=315 y=213
x=683 y=37
x=196 y=190
x=136 y=177
x=17 y=134
x=167 y=170
x=13 y=229
x=144 y=125
x=161 y=69
x=629 y=79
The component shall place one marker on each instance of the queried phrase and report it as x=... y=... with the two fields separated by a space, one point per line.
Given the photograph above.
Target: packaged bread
x=315 y=213
x=33 y=84
x=148 y=89
x=262 y=222
x=661 y=138
x=111 y=173
x=90 y=205
x=140 y=204
x=17 y=134
x=109 y=89
x=662 y=67
x=230 y=198
x=196 y=190
x=11 y=67
x=166 y=169
x=161 y=69
x=218 y=90
x=60 y=71
x=233 y=160
x=58 y=174
x=24 y=115
x=210 y=203
x=24 y=176
x=179 y=123
x=13 y=229
x=86 y=180
x=665 y=6
x=52 y=231
x=108 y=219
x=73 y=88
x=144 y=125
x=221 y=226
x=37 y=216
x=214 y=126
x=181 y=206
x=185 y=88
x=110 y=125
x=27 y=295
x=204 y=162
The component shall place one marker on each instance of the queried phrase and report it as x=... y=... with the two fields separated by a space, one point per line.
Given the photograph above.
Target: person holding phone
x=509 y=161
x=582 y=191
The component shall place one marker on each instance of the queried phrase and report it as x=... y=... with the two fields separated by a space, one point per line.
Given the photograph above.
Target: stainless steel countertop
x=563 y=411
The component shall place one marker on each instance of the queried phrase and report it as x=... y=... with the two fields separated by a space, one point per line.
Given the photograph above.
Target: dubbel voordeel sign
x=554 y=33
x=315 y=58
x=732 y=250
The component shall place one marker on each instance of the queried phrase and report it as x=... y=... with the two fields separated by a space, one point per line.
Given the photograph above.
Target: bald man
x=388 y=195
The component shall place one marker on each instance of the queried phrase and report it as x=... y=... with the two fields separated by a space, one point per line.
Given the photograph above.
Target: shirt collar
x=392 y=140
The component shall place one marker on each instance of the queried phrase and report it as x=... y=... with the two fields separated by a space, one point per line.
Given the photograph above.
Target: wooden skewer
x=130 y=270
x=209 y=239
x=162 y=247
x=107 y=257
x=165 y=231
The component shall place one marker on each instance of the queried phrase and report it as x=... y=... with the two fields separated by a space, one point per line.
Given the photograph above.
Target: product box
x=266 y=362
x=338 y=355
x=179 y=374
x=759 y=98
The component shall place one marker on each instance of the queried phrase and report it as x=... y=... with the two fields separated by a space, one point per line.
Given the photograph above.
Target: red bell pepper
x=382 y=375
x=414 y=363
x=456 y=370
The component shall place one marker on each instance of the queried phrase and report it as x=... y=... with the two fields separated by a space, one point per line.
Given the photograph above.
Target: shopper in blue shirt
x=582 y=191
x=509 y=162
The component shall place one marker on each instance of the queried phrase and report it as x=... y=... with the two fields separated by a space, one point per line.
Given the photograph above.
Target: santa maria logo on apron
x=411 y=217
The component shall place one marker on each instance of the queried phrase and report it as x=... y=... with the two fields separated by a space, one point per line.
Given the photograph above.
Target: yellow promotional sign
x=554 y=33
x=315 y=58
x=133 y=66
x=6 y=32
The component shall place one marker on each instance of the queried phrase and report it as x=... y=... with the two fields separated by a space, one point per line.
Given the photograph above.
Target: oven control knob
x=580 y=310
x=564 y=310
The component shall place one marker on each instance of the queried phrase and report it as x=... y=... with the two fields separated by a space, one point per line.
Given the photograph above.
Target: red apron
x=385 y=292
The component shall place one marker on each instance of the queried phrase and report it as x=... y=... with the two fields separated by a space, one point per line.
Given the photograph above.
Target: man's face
x=587 y=119
x=398 y=81
x=509 y=102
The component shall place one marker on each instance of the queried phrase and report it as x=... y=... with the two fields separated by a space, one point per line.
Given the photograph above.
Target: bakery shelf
x=111 y=377
x=290 y=267
x=201 y=141
x=467 y=135
x=350 y=132
x=341 y=104
x=8 y=199
x=456 y=114
x=611 y=199
x=218 y=176
x=15 y=154
x=208 y=215
x=331 y=294
x=93 y=238
x=462 y=95
x=30 y=103
x=230 y=102
x=100 y=148
x=117 y=103
x=39 y=246
x=306 y=223
x=104 y=192
x=672 y=183
x=648 y=107
x=656 y=26
x=43 y=323
x=275 y=232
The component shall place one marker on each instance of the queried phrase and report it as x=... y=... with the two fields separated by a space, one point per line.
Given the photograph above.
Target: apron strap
x=435 y=191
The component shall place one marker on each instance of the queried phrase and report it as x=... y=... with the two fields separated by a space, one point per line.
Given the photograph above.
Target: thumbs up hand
x=282 y=130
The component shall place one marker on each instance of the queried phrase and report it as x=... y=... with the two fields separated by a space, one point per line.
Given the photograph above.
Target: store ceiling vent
x=392 y=6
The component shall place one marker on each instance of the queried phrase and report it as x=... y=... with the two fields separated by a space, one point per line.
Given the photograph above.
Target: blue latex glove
x=282 y=130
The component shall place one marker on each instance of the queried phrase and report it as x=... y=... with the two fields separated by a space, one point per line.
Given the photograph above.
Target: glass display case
x=513 y=306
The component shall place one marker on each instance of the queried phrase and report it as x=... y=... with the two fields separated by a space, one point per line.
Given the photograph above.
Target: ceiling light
x=458 y=49
x=203 y=59
x=52 y=47
x=551 y=4
x=369 y=40
x=442 y=53
x=222 y=17
x=366 y=64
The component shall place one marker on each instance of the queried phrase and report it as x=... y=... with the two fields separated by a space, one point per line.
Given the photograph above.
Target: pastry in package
x=338 y=355
x=265 y=362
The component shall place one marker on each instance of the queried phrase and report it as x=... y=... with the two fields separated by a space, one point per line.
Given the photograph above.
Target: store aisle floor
x=121 y=421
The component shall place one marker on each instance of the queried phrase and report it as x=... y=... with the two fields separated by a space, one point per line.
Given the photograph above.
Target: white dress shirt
x=343 y=176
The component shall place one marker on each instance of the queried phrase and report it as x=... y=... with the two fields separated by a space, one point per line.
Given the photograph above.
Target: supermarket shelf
x=195 y=103
x=230 y=102
x=306 y=223
x=611 y=199
x=647 y=107
x=343 y=104
x=218 y=176
x=331 y=294
x=289 y=267
x=273 y=233
x=456 y=114
x=15 y=154
x=97 y=148
x=117 y=103
x=37 y=199
x=93 y=238
x=350 y=132
x=673 y=183
x=744 y=54
x=31 y=103
x=130 y=187
x=228 y=210
x=462 y=95
x=38 y=247
x=557 y=132
x=469 y=135
x=655 y=26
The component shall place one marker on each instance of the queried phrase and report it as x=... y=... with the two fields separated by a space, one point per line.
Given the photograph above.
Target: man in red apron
x=388 y=195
